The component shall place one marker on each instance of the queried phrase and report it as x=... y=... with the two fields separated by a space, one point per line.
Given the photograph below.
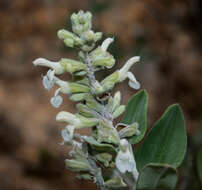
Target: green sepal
x=109 y=82
x=116 y=182
x=72 y=66
x=118 y=111
x=85 y=111
x=107 y=133
x=100 y=147
x=77 y=97
x=105 y=158
x=76 y=88
x=77 y=165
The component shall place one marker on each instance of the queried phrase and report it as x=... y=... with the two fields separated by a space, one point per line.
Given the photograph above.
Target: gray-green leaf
x=157 y=177
x=166 y=142
x=136 y=111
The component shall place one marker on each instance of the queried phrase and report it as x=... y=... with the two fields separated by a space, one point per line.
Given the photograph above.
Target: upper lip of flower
x=106 y=43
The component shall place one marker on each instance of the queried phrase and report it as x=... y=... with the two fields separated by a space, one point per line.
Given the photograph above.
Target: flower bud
x=77 y=97
x=116 y=101
x=97 y=36
x=70 y=87
x=77 y=88
x=107 y=133
x=109 y=82
x=80 y=73
x=116 y=182
x=69 y=42
x=100 y=147
x=87 y=48
x=129 y=130
x=101 y=58
x=84 y=176
x=69 y=38
x=118 y=111
x=67 y=134
x=97 y=88
x=88 y=36
x=56 y=66
x=71 y=65
x=85 y=111
x=81 y=22
x=77 y=165
x=93 y=104
x=87 y=122
x=105 y=158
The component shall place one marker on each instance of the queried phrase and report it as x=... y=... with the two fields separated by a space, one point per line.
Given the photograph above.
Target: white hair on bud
x=106 y=43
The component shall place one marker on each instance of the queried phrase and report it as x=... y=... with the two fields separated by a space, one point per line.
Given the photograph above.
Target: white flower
x=64 y=86
x=70 y=118
x=125 y=160
x=56 y=100
x=124 y=73
x=106 y=43
x=67 y=134
x=48 y=79
x=56 y=66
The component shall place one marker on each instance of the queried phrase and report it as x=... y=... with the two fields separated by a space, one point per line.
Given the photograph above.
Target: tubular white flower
x=56 y=66
x=56 y=100
x=70 y=118
x=106 y=43
x=48 y=79
x=133 y=83
x=64 y=86
x=124 y=73
x=67 y=134
x=125 y=160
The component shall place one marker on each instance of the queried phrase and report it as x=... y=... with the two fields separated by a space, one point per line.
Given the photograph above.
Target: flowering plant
x=108 y=156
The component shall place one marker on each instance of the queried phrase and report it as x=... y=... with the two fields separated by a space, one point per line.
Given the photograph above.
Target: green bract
x=110 y=144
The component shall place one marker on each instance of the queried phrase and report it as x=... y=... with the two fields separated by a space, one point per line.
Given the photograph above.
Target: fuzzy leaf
x=166 y=142
x=136 y=111
x=157 y=177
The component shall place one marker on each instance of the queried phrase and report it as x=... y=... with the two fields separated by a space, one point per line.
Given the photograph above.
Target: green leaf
x=136 y=111
x=157 y=177
x=199 y=164
x=166 y=142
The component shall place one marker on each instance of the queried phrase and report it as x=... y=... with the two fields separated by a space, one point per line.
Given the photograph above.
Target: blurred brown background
x=167 y=34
